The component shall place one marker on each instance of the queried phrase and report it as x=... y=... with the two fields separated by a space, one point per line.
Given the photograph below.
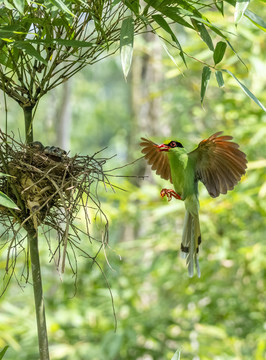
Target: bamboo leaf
x=65 y=42
x=3 y=351
x=220 y=6
x=219 y=78
x=2 y=174
x=239 y=58
x=199 y=26
x=246 y=90
x=176 y=355
x=206 y=74
x=256 y=20
x=219 y=52
x=172 y=14
x=19 y=4
x=8 y=5
x=164 y=25
x=133 y=5
x=62 y=6
x=30 y=50
x=126 y=44
x=241 y=6
x=7 y=202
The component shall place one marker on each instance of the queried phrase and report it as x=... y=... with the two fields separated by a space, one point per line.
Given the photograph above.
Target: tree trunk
x=28 y=123
x=38 y=292
x=32 y=234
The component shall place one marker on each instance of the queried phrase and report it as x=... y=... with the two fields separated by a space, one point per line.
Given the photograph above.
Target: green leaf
x=30 y=50
x=239 y=58
x=133 y=5
x=164 y=25
x=246 y=90
x=219 y=78
x=240 y=8
x=126 y=44
x=220 y=6
x=211 y=26
x=19 y=4
x=203 y=33
x=2 y=352
x=219 y=52
x=176 y=355
x=206 y=74
x=67 y=43
x=256 y=20
x=171 y=14
x=7 y=202
x=2 y=174
x=62 y=6
x=170 y=55
x=8 y=5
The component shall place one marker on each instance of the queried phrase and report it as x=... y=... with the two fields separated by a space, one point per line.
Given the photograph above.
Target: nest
x=54 y=192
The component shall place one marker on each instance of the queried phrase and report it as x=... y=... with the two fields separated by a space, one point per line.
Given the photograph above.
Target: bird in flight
x=216 y=162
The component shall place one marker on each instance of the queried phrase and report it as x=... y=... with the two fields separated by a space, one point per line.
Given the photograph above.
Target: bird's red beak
x=163 y=147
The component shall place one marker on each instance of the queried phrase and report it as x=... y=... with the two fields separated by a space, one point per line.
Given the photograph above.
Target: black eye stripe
x=173 y=144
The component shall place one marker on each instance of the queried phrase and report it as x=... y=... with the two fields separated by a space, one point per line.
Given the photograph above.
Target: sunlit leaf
x=206 y=74
x=19 y=4
x=62 y=6
x=219 y=52
x=7 y=202
x=2 y=174
x=126 y=44
x=8 y=5
x=240 y=8
x=256 y=20
x=170 y=55
x=219 y=78
x=220 y=6
x=246 y=90
x=164 y=25
x=176 y=355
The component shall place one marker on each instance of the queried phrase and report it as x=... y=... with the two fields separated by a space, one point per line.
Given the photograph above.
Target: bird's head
x=169 y=144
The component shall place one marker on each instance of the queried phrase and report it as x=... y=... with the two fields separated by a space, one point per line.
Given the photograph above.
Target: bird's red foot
x=170 y=193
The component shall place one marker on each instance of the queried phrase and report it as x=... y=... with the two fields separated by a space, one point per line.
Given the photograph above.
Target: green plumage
x=183 y=171
x=216 y=162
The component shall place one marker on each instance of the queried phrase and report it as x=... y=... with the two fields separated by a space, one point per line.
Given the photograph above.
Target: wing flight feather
x=157 y=159
x=219 y=163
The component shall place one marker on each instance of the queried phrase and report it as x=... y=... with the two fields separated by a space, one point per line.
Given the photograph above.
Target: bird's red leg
x=170 y=193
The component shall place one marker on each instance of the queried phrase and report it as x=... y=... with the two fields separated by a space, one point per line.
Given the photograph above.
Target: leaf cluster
x=44 y=43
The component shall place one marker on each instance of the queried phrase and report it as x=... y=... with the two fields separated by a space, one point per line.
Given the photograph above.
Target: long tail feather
x=191 y=240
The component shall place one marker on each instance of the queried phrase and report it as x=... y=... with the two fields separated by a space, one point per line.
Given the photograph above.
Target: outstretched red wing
x=219 y=163
x=157 y=159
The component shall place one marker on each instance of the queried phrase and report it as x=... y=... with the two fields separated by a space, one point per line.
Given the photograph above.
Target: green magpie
x=216 y=162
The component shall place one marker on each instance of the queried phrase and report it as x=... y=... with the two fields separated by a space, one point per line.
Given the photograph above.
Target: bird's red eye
x=173 y=144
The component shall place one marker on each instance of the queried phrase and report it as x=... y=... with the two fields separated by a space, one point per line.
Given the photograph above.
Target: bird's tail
x=191 y=240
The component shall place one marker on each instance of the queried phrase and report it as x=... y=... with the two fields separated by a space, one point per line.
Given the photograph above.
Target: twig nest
x=45 y=177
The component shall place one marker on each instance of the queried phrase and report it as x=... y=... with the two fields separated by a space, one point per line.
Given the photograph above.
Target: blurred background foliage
x=158 y=308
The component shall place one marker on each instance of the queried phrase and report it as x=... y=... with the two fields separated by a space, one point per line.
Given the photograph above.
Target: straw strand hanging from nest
x=52 y=191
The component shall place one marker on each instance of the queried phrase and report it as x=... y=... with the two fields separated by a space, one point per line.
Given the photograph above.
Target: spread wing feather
x=219 y=163
x=157 y=159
